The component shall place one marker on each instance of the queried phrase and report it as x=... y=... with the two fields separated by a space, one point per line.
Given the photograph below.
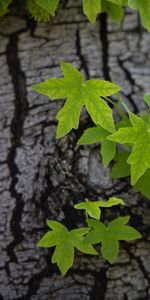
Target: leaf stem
x=120 y=111
x=120 y=99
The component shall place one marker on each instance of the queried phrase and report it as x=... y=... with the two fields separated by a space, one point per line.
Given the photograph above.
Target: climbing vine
x=132 y=159
x=124 y=145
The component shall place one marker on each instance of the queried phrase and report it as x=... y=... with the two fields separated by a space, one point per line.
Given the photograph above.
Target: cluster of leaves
x=40 y=10
x=133 y=132
x=44 y=9
x=83 y=239
x=115 y=10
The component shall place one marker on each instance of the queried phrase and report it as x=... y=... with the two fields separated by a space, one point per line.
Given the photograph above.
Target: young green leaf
x=112 y=201
x=79 y=93
x=91 y=9
x=143 y=184
x=65 y=241
x=139 y=136
x=92 y=208
x=49 y=5
x=99 y=135
x=120 y=168
x=109 y=235
x=144 y=8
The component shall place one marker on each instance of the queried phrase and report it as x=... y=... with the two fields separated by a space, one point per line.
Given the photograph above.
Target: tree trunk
x=41 y=177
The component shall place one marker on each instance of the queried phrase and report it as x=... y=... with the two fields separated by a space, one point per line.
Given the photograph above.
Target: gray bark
x=42 y=177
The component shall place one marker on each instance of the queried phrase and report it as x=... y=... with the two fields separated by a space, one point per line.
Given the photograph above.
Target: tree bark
x=41 y=177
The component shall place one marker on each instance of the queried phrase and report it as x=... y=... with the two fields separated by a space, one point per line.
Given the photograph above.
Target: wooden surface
x=42 y=178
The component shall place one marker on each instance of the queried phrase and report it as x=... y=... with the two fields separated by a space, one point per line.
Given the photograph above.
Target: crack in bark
x=34 y=284
x=100 y=287
x=80 y=55
x=105 y=46
x=131 y=81
x=142 y=268
x=20 y=113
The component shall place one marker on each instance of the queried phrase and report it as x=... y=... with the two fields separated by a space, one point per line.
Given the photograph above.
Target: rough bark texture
x=42 y=178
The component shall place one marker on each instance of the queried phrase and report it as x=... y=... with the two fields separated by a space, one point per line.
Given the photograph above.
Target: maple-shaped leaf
x=110 y=235
x=120 y=168
x=139 y=137
x=49 y=5
x=65 y=241
x=79 y=93
x=143 y=184
x=92 y=208
x=91 y=9
x=99 y=135
x=144 y=9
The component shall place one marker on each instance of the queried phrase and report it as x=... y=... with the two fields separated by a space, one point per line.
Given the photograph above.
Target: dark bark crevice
x=131 y=81
x=80 y=55
x=105 y=46
x=20 y=113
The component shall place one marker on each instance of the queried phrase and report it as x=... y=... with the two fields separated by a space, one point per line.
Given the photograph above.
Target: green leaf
x=144 y=8
x=91 y=9
x=85 y=247
x=122 y=231
x=120 y=168
x=111 y=202
x=57 y=226
x=49 y=5
x=4 y=6
x=116 y=12
x=63 y=256
x=109 y=235
x=92 y=135
x=119 y=2
x=139 y=137
x=80 y=232
x=143 y=184
x=147 y=99
x=125 y=122
x=110 y=247
x=97 y=234
x=48 y=240
x=79 y=93
x=92 y=208
x=99 y=135
x=146 y=118
x=65 y=242
x=108 y=151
